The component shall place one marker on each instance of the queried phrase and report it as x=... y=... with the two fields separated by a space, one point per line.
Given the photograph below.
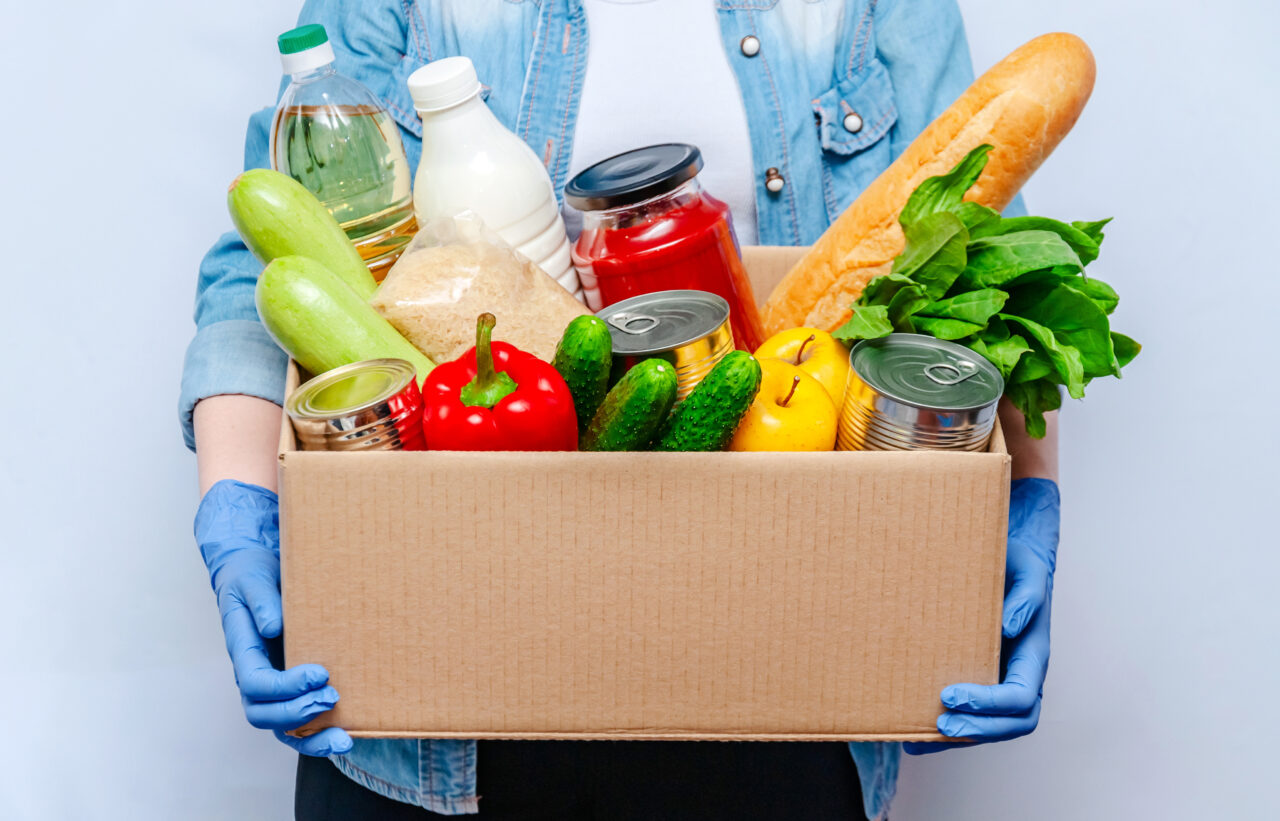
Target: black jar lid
x=633 y=176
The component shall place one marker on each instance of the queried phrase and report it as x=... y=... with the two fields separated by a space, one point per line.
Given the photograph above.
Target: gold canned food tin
x=373 y=405
x=914 y=392
x=689 y=329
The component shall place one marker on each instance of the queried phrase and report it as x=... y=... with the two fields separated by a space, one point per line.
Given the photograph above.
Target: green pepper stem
x=490 y=386
x=795 y=383
x=485 y=374
x=803 y=345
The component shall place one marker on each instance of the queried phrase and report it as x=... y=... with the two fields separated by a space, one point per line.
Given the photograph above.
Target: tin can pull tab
x=954 y=375
x=633 y=323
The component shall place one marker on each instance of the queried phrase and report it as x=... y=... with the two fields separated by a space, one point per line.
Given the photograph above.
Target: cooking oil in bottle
x=333 y=136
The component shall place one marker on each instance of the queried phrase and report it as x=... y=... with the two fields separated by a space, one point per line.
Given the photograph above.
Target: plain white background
x=123 y=123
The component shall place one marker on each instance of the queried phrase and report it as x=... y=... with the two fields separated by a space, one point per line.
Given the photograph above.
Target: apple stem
x=795 y=383
x=800 y=353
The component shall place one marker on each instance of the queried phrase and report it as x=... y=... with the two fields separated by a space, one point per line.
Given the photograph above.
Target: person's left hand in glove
x=237 y=528
x=1012 y=708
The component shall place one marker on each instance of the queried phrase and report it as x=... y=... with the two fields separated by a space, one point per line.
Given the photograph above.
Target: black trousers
x=620 y=781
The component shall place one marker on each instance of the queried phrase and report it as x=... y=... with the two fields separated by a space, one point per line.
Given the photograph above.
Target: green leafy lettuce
x=1012 y=289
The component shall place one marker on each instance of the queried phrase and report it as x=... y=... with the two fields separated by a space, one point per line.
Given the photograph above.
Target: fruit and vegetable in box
x=1013 y=290
x=966 y=306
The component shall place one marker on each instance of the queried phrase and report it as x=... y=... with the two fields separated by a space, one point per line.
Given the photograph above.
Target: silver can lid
x=928 y=373
x=350 y=388
x=654 y=323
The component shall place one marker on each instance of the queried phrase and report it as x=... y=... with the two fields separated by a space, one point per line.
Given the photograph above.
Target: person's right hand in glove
x=237 y=528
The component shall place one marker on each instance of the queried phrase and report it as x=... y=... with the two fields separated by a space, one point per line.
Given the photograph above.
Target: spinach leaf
x=973 y=215
x=997 y=330
x=1075 y=320
x=1035 y=365
x=881 y=289
x=996 y=261
x=867 y=322
x=971 y=306
x=945 y=328
x=904 y=304
x=1066 y=360
x=945 y=192
x=1042 y=276
x=1004 y=353
x=1093 y=229
x=1035 y=399
x=935 y=252
x=900 y=295
x=1126 y=349
x=1102 y=294
x=1085 y=246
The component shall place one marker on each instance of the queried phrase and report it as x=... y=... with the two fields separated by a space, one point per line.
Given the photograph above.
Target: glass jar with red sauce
x=648 y=225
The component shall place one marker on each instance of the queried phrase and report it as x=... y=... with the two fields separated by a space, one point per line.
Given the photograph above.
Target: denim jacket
x=895 y=64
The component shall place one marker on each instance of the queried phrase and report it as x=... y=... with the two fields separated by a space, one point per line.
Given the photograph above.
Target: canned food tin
x=914 y=392
x=373 y=405
x=689 y=329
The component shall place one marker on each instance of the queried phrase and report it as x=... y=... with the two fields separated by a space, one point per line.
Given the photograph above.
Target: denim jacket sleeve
x=923 y=45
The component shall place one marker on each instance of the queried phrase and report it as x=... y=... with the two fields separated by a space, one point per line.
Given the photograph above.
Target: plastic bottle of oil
x=333 y=136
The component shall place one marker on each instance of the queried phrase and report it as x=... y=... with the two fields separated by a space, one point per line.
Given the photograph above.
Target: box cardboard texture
x=822 y=596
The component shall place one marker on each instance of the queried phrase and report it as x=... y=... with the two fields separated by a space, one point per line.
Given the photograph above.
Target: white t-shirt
x=657 y=73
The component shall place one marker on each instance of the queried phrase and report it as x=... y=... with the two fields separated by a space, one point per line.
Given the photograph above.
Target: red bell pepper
x=497 y=397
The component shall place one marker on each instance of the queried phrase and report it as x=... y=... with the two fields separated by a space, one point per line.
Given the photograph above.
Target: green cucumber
x=276 y=217
x=319 y=321
x=708 y=416
x=583 y=358
x=634 y=409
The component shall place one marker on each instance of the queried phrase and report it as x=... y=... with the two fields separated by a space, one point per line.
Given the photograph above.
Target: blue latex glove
x=237 y=528
x=1012 y=708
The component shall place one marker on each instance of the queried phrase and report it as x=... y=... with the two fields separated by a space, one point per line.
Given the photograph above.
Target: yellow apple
x=792 y=412
x=815 y=352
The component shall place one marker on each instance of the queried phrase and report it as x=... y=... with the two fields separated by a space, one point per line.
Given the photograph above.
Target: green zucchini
x=708 y=416
x=583 y=358
x=634 y=409
x=319 y=321
x=276 y=216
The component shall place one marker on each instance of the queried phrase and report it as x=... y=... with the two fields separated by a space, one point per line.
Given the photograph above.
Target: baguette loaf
x=1023 y=107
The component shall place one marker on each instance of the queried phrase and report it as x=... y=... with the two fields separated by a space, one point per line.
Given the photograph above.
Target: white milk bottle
x=471 y=162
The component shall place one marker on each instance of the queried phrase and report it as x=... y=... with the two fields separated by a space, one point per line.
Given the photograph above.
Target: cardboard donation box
x=796 y=596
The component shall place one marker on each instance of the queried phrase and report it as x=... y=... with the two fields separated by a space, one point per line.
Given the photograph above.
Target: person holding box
x=798 y=106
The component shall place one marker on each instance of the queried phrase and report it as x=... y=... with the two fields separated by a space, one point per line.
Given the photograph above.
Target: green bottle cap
x=302 y=38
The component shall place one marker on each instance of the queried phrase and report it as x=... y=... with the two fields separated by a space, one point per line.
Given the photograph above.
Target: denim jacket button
x=750 y=46
x=773 y=181
x=852 y=122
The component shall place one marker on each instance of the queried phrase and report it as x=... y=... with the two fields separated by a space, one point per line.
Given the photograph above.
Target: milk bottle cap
x=443 y=83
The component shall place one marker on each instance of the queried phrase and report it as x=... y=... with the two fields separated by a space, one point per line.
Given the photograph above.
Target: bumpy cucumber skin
x=319 y=321
x=634 y=410
x=707 y=418
x=583 y=358
x=277 y=216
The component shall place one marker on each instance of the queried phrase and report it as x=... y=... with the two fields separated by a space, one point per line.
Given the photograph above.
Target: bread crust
x=1023 y=107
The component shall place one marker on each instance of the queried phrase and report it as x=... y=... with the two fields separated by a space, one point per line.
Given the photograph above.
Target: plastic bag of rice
x=456 y=269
